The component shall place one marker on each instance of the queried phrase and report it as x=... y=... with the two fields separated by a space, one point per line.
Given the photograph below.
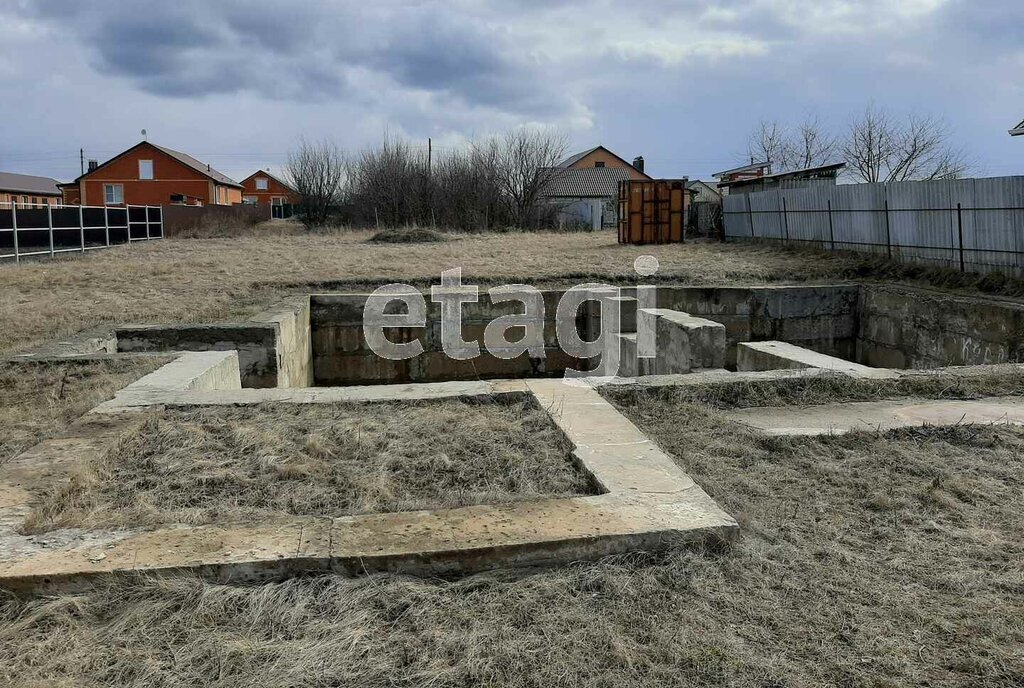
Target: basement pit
x=318 y=340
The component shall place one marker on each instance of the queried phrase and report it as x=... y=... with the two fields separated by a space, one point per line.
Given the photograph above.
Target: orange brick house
x=263 y=187
x=148 y=174
x=27 y=191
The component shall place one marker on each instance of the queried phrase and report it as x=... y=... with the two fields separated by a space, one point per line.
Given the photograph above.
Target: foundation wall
x=821 y=318
x=341 y=355
x=917 y=328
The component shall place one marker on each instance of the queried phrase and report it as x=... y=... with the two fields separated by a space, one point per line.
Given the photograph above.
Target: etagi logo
x=402 y=309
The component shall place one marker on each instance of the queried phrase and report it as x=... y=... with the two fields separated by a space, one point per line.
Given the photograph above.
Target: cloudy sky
x=683 y=82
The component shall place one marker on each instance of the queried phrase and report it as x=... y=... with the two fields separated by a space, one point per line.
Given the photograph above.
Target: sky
x=682 y=82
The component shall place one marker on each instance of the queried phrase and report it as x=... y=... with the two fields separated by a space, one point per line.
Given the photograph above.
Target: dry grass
x=970 y=382
x=202 y=280
x=39 y=399
x=865 y=560
x=220 y=465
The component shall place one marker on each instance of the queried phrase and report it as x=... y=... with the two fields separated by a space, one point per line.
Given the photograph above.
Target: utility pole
x=81 y=160
x=430 y=156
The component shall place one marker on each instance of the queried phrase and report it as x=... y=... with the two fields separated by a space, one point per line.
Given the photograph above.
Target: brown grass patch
x=216 y=465
x=865 y=560
x=39 y=399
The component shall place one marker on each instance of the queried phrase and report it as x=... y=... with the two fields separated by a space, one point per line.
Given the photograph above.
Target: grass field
x=38 y=400
x=235 y=465
x=200 y=280
x=869 y=559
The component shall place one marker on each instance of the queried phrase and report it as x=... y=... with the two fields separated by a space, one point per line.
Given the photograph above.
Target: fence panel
x=26 y=232
x=967 y=224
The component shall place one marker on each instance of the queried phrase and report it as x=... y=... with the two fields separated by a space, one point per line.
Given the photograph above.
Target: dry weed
x=254 y=463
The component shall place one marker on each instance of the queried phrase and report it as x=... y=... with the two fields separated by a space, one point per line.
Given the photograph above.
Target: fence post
x=960 y=231
x=831 y=229
x=106 y=224
x=750 y=217
x=49 y=225
x=888 y=235
x=81 y=227
x=14 y=224
x=785 y=217
x=145 y=209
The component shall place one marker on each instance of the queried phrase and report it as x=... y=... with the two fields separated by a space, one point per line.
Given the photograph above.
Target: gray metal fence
x=967 y=224
x=50 y=230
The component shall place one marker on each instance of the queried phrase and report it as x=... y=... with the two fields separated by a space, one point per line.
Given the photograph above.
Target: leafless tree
x=317 y=171
x=525 y=164
x=880 y=148
x=808 y=146
x=768 y=144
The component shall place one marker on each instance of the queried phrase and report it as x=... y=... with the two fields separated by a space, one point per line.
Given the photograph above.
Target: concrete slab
x=774 y=355
x=879 y=415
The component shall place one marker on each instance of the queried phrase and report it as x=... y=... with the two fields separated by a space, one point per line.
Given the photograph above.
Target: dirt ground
x=233 y=465
x=203 y=280
x=868 y=559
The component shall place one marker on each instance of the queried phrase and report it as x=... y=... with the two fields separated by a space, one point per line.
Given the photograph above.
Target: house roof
x=585 y=182
x=695 y=184
x=26 y=183
x=1018 y=130
x=830 y=170
x=745 y=168
x=573 y=159
x=264 y=173
x=183 y=158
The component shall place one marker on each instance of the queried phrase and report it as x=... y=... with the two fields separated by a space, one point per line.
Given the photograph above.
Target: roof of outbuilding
x=587 y=182
x=830 y=170
x=26 y=183
x=745 y=168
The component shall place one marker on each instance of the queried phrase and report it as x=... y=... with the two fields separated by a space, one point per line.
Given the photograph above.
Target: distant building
x=584 y=188
x=27 y=191
x=703 y=192
x=148 y=174
x=755 y=170
x=263 y=187
x=793 y=179
x=1018 y=130
x=600 y=157
x=585 y=197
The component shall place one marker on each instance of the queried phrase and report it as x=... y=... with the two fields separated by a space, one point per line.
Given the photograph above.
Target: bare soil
x=222 y=464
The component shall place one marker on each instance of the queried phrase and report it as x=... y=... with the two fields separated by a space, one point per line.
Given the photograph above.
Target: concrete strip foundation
x=752 y=356
x=879 y=415
x=648 y=503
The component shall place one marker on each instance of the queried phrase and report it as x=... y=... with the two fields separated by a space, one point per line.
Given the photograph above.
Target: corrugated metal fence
x=967 y=224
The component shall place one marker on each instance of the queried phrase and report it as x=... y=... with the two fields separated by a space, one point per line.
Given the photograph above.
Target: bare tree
x=811 y=146
x=879 y=148
x=808 y=146
x=316 y=171
x=768 y=144
x=525 y=164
